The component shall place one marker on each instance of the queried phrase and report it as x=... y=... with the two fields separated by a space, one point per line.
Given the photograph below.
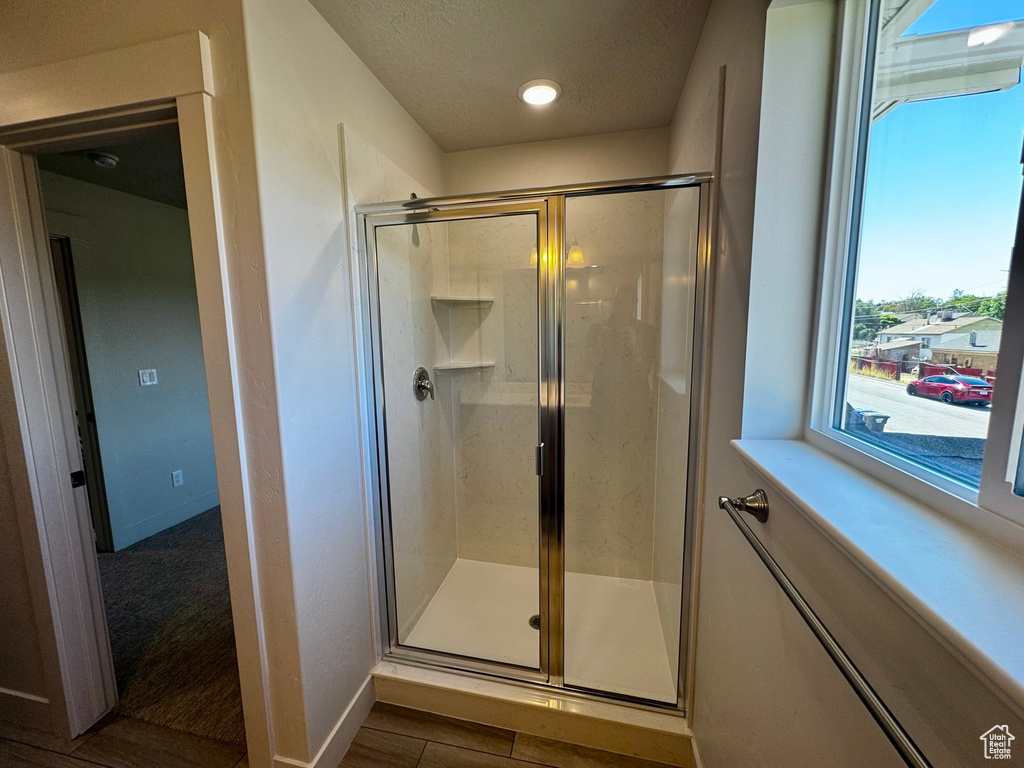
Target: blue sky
x=944 y=181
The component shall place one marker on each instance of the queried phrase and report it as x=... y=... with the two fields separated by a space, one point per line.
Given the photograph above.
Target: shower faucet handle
x=422 y=385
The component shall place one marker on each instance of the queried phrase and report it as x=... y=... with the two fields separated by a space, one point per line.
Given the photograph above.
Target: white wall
x=294 y=528
x=605 y=157
x=763 y=685
x=305 y=83
x=795 y=124
x=137 y=295
x=34 y=34
x=766 y=693
x=786 y=689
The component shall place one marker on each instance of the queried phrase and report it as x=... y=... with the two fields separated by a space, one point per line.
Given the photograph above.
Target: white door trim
x=60 y=555
x=63 y=92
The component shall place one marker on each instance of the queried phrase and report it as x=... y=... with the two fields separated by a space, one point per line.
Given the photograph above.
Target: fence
x=892 y=367
x=896 y=367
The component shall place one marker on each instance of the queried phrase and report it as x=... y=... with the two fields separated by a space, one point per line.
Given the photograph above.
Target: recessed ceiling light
x=988 y=34
x=103 y=159
x=539 y=92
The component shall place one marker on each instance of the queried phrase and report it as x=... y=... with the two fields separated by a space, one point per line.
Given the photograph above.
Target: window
x=922 y=220
x=1018 y=484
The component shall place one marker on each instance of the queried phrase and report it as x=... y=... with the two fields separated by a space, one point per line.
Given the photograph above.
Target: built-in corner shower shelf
x=455 y=365
x=460 y=302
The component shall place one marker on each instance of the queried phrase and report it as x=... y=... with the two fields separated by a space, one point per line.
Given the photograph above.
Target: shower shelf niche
x=459 y=365
x=462 y=302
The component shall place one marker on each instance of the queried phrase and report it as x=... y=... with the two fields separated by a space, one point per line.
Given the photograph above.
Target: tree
x=993 y=306
x=887 y=320
x=865 y=320
x=875 y=316
x=862 y=333
x=965 y=300
x=913 y=301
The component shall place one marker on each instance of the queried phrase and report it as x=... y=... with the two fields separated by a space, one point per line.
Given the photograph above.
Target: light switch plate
x=177 y=478
x=147 y=377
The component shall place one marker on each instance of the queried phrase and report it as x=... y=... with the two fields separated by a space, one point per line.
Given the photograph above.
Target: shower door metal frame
x=399 y=214
x=548 y=204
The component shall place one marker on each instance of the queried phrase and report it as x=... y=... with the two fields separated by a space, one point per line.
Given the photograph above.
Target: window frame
x=840 y=240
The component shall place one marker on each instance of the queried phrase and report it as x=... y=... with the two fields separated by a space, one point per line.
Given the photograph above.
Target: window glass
x=940 y=196
x=1018 y=485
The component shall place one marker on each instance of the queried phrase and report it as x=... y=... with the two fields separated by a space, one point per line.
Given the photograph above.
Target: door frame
x=551 y=322
x=70 y=105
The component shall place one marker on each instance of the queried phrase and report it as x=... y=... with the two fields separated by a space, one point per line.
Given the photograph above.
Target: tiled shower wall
x=613 y=309
x=496 y=414
x=463 y=465
x=611 y=358
x=674 y=381
x=412 y=265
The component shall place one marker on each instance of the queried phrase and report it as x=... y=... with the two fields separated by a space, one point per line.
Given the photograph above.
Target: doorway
x=536 y=368
x=117 y=220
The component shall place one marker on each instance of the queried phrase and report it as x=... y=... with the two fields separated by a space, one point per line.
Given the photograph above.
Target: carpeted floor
x=170 y=630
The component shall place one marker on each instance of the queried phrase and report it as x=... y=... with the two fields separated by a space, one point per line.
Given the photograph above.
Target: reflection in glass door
x=629 y=311
x=458 y=348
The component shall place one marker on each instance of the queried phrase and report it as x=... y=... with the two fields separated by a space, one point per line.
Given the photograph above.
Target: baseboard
x=25 y=709
x=161 y=521
x=337 y=744
x=613 y=727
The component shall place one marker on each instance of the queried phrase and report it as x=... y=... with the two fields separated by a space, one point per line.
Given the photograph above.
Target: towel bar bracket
x=755 y=504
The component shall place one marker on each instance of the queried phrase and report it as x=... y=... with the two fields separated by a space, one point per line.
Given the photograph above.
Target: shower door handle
x=538 y=458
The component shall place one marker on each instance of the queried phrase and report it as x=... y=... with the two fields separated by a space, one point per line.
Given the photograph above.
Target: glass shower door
x=536 y=370
x=630 y=287
x=454 y=305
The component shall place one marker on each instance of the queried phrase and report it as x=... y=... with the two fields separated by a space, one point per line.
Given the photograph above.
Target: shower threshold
x=613 y=635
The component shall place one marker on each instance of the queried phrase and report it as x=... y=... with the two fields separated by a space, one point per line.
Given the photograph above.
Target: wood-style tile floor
x=115 y=742
x=391 y=737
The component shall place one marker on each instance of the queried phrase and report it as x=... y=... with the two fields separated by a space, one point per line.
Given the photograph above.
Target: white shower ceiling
x=456 y=65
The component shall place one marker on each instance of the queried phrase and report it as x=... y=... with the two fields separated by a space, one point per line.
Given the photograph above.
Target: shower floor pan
x=613 y=635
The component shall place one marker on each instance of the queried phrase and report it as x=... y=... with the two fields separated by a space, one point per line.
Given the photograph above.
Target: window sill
x=968 y=589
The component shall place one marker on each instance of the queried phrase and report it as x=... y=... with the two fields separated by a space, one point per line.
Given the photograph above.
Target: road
x=916 y=415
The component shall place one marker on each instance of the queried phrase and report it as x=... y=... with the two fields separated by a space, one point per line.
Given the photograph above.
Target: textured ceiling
x=150 y=169
x=456 y=65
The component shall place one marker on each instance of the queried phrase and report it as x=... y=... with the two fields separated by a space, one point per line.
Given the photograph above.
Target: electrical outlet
x=147 y=377
x=177 y=478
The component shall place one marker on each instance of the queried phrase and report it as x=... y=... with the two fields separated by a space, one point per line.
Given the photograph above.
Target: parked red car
x=953 y=389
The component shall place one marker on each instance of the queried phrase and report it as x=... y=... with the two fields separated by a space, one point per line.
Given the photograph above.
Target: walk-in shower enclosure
x=534 y=359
